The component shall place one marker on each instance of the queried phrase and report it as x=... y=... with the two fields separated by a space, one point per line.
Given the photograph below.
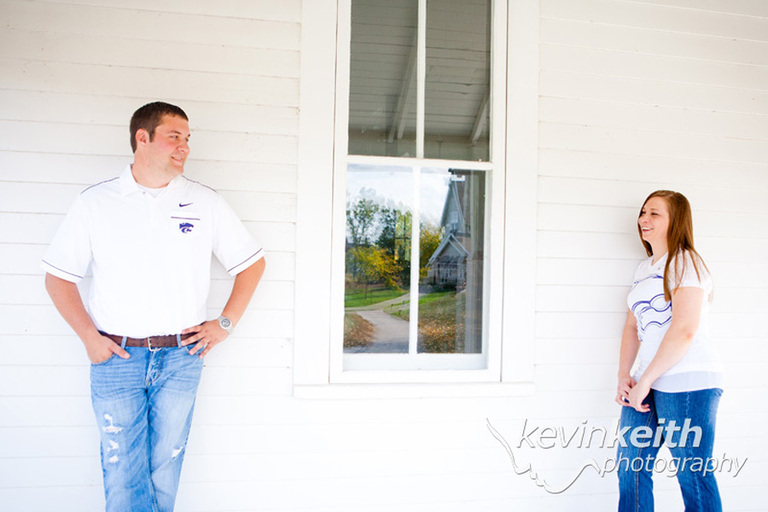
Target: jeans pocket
x=104 y=362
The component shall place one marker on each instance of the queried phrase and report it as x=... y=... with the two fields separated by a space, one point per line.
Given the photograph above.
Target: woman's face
x=654 y=222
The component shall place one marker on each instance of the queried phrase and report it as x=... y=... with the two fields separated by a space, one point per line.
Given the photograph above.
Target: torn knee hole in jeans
x=111 y=428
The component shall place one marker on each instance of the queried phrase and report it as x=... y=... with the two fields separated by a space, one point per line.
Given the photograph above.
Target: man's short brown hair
x=149 y=116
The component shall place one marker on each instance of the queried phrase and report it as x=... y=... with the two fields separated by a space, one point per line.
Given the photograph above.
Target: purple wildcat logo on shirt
x=186 y=227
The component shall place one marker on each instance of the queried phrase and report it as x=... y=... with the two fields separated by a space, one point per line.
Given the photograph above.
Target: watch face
x=225 y=323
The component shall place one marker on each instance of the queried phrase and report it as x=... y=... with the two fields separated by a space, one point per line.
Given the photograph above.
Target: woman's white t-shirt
x=700 y=366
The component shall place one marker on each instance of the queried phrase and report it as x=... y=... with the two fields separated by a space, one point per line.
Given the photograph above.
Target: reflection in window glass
x=379 y=244
x=384 y=76
x=458 y=79
x=416 y=229
x=378 y=259
x=451 y=266
x=382 y=88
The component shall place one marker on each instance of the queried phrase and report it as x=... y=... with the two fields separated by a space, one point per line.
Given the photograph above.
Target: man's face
x=167 y=152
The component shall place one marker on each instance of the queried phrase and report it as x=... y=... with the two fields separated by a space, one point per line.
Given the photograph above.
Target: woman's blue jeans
x=143 y=408
x=695 y=409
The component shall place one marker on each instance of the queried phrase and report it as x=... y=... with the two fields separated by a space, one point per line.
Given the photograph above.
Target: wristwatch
x=226 y=324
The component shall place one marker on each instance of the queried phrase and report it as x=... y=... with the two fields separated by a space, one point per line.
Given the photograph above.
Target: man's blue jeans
x=695 y=409
x=143 y=408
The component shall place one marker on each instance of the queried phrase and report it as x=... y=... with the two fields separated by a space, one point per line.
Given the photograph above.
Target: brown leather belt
x=152 y=342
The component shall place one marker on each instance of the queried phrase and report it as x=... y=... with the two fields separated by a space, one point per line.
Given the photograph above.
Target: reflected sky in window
x=385 y=185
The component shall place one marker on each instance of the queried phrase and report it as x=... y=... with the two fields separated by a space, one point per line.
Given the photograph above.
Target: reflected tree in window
x=378 y=259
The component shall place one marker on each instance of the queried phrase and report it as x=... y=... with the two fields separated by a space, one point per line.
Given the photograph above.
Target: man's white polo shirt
x=150 y=256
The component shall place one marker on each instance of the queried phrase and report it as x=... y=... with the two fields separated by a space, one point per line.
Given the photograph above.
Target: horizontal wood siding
x=634 y=96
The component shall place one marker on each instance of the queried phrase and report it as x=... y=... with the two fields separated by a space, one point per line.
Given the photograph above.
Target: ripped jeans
x=143 y=408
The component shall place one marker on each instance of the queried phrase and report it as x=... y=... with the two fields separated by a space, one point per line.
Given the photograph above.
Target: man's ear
x=142 y=137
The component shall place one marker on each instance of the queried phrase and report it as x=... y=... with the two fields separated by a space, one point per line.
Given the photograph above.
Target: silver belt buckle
x=149 y=345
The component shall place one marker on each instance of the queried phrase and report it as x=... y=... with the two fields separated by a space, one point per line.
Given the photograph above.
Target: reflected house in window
x=456 y=265
x=461 y=222
x=447 y=265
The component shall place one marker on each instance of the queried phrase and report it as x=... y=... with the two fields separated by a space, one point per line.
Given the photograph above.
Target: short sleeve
x=69 y=254
x=685 y=273
x=233 y=245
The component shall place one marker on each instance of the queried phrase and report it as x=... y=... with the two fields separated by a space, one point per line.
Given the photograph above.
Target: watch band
x=226 y=324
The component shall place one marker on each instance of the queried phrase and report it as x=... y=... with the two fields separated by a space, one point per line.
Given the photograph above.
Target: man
x=147 y=236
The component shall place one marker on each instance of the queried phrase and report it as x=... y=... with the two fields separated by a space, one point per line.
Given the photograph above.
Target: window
x=326 y=153
x=420 y=191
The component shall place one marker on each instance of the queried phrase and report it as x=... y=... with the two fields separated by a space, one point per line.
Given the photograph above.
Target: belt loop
x=125 y=340
x=178 y=340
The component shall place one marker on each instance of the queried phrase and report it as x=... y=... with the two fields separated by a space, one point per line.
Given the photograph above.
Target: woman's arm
x=630 y=344
x=686 y=314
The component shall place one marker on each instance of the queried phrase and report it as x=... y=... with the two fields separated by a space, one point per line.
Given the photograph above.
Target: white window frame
x=322 y=160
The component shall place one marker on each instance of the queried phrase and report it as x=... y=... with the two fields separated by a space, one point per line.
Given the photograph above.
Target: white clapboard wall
x=633 y=96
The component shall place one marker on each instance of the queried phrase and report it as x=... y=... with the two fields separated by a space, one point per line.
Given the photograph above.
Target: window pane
x=382 y=89
x=458 y=79
x=378 y=259
x=452 y=207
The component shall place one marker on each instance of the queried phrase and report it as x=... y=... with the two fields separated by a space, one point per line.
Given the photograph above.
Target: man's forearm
x=66 y=298
x=242 y=291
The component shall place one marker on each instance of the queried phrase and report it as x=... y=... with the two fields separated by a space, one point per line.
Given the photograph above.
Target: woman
x=677 y=376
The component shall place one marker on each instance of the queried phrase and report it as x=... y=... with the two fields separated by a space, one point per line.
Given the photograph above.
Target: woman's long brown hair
x=679 y=237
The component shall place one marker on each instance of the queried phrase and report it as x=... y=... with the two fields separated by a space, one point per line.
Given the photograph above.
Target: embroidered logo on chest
x=186 y=227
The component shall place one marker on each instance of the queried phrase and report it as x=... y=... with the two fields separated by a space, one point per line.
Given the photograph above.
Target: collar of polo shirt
x=128 y=184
